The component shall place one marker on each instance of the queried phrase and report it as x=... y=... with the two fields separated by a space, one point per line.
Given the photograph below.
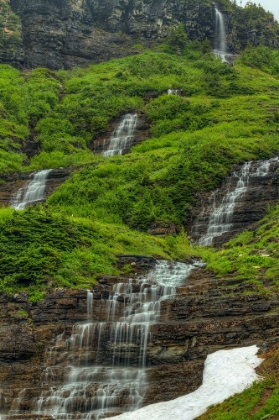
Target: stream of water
x=32 y=192
x=220 y=47
x=123 y=136
x=221 y=212
x=101 y=369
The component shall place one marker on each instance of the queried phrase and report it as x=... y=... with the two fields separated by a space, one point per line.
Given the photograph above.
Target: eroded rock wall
x=261 y=193
x=205 y=316
x=13 y=182
x=66 y=33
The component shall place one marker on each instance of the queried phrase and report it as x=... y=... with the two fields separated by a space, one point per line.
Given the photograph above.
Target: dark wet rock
x=12 y=183
x=251 y=206
x=66 y=33
x=206 y=315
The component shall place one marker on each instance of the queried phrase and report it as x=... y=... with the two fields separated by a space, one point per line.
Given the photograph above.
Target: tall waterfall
x=221 y=212
x=101 y=369
x=123 y=136
x=32 y=192
x=220 y=47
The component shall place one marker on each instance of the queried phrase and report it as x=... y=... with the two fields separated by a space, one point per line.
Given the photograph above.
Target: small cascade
x=32 y=192
x=123 y=136
x=220 y=48
x=173 y=91
x=221 y=215
x=101 y=369
x=221 y=209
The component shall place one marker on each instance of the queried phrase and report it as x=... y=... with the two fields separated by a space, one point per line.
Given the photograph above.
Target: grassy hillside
x=41 y=250
x=226 y=115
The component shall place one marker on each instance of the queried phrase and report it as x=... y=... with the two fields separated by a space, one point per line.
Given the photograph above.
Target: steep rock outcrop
x=250 y=206
x=206 y=315
x=141 y=133
x=66 y=33
x=16 y=181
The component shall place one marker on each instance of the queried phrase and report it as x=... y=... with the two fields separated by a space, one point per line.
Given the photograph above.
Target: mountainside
x=107 y=172
x=67 y=33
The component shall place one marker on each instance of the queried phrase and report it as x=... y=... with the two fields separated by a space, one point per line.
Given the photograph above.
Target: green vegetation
x=261 y=58
x=226 y=115
x=256 y=403
x=254 y=19
x=252 y=255
x=10 y=28
x=40 y=250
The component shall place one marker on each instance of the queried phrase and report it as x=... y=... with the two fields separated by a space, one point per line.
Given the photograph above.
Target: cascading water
x=103 y=366
x=32 y=192
x=123 y=136
x=221 y=213
x=220 y=217
x=220 y=48
x=173 y=91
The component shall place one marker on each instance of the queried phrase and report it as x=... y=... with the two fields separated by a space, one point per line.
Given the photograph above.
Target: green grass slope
x=253 y=255
x=226 y=115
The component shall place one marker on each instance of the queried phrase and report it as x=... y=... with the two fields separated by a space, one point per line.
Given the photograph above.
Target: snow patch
x=226 y=372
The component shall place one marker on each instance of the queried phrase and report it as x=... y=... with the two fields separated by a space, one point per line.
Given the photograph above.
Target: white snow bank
x=226 y=372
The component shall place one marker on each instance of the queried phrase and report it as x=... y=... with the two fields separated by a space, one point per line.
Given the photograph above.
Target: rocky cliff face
x=205 y=316
x=251 y=202
x=13 y=182
x=61 y=34
x=66 y=33
x=141 y=133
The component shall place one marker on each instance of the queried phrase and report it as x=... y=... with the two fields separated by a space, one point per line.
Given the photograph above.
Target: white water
x=220 y=49
x=173 y=91
x=221 y=216
x=226 y=372
x=220 y=220
x=123 y=136
x=102 y=367
x=32 y=192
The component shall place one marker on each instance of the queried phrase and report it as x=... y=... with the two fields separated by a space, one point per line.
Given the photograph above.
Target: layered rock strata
x=66 y=33
x=17 y=181
x=206 y=315
x=141 y=133
x=251 y=204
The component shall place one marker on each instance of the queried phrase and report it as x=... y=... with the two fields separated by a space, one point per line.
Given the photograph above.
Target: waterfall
x=101 y=369
x=32 y=192
x=123 y=136
x=221 y=216
x=173 y=91
x=220 y=48
x=221 y=213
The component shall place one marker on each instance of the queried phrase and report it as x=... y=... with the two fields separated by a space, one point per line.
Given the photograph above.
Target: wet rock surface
x=140 y=133
x=206 y=315
x=67 y=33
x=13 y=182
x=261 y=193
